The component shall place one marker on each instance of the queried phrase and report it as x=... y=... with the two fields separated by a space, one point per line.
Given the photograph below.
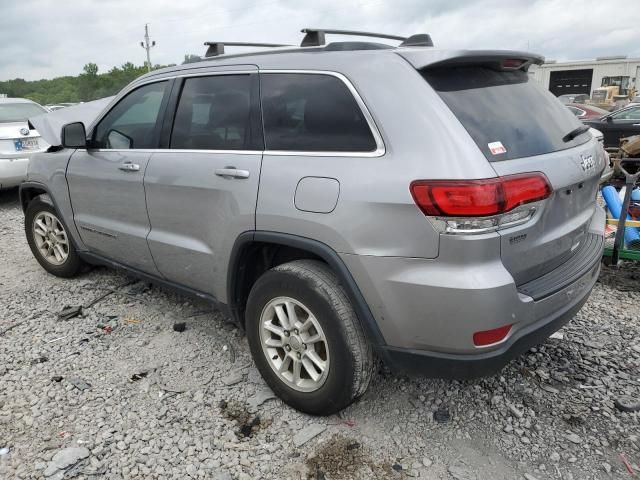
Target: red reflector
x=513 y=63
x=489 y=337
x=479 y=198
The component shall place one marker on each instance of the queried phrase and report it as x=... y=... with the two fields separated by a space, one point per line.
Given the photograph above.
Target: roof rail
x=217 y=48
x=315 y=37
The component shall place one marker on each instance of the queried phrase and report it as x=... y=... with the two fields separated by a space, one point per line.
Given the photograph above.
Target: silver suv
x=433 y=208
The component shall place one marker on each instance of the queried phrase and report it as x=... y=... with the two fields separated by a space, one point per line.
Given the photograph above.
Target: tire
x=308 y=287
x=63 y=260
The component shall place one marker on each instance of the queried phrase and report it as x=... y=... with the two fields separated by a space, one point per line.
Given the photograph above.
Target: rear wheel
x=306 y=339
x=49 y=241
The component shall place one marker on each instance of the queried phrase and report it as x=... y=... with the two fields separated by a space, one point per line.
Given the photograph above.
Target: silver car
x=17 y=141
x=434 y=208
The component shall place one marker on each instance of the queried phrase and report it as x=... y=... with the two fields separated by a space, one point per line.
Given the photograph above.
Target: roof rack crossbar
x=217 y=48
x=315 y=37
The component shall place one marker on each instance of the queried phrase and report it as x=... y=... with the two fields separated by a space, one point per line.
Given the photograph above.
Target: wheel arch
x=250 y=244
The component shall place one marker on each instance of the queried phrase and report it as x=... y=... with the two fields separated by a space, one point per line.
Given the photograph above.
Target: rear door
x=520 y=127
x=201 y=189
x=106 y=180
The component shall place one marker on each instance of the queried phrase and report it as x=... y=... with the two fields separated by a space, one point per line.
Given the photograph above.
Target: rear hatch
x=520 y=128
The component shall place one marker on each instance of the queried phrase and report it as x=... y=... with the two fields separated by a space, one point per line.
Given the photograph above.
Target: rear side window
x=507 y=113
x=213 y=113
x=312 y=113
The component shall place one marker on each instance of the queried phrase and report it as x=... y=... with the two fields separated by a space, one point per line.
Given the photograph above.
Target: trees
x=89 y=85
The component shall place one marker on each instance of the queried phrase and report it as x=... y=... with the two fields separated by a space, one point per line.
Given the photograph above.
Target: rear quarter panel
x=375 y=213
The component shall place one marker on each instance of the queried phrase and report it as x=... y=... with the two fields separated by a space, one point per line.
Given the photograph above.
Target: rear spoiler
x=495 y=59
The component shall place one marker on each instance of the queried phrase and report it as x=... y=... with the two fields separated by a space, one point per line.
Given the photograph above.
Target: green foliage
x=191 y=58
x=89 y=85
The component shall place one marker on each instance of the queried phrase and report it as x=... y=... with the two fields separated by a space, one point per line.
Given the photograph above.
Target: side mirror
x=609 y=119
x=74 y=135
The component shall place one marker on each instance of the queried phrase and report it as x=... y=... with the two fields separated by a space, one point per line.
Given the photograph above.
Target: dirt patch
x=345 y=458
x=248 y=424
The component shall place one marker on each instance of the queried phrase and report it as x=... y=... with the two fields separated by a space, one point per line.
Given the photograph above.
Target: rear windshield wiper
x=575 y=132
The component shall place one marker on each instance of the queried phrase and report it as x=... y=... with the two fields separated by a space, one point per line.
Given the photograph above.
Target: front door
x=202 y=190
x=106 y=180
x=624 y=123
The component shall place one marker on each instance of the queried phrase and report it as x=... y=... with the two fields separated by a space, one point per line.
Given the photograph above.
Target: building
x=583 y=76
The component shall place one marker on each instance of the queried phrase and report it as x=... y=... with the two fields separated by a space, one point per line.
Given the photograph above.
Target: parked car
x=17 y=141
x=619 y=124
x=443 y=231
x=573 y=98
x=586 y=112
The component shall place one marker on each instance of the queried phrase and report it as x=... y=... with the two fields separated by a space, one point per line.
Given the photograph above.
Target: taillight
x=479 y=198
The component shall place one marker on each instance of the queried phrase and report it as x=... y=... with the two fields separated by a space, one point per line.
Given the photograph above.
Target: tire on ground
x=351 y=359
x=73 y=264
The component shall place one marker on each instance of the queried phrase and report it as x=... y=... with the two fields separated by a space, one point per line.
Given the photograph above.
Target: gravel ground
x=117 y=393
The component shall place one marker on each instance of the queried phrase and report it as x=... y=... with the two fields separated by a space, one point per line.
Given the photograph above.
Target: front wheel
x=49 y=241
x=306 y=339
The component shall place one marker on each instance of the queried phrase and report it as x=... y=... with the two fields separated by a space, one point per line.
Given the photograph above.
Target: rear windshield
x=506 y=113
x=19 y=112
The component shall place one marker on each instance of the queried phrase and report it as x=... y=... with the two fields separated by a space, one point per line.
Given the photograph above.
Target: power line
x=147 y=45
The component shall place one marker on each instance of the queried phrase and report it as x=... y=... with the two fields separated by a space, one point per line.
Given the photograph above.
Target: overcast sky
x=50 y=38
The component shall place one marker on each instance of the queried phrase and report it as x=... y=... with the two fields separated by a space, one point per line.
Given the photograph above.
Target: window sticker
x=497 y=148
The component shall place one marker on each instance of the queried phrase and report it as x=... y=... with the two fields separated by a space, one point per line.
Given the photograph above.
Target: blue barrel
x=610 y=195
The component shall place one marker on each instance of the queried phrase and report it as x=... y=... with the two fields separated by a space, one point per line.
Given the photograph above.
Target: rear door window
x=506 y=113
x=312 y=113
x=214 y=113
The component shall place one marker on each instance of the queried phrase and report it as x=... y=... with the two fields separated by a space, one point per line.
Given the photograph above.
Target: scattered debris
x=259 y=398
x=397 y=467
x=626 y=403
x=79 y=383
x=307 y=433
x=56 y=339
x=38 y=360
x=69 y=312
x=65 y=459
x=4 y=451
x=234 y=377
x=442 y=415
x=528 y=476
x=557 y=336
x=179 y=327
x=139 y=376
x=627 y=464
x=11 y=327
x=56 y=378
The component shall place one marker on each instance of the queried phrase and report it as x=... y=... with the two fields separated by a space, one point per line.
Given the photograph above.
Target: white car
x=17 y=141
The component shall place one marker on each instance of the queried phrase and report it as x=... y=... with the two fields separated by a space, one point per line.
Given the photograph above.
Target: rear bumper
x=429 y=310
x=460 y=366
x=13 y=170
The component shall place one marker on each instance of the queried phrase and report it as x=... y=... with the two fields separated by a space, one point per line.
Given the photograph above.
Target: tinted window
x=629 y=114
x=19 y=112
x=213 y=114
x=505 y=109
x=310 y=112
x=132 y=122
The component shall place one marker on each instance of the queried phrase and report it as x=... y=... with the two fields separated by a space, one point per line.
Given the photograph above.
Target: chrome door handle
x=129 y=167
x=636 y=124
x=231 y=172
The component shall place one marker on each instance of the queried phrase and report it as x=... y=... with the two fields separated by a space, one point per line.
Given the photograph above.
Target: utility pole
x=147 y=45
